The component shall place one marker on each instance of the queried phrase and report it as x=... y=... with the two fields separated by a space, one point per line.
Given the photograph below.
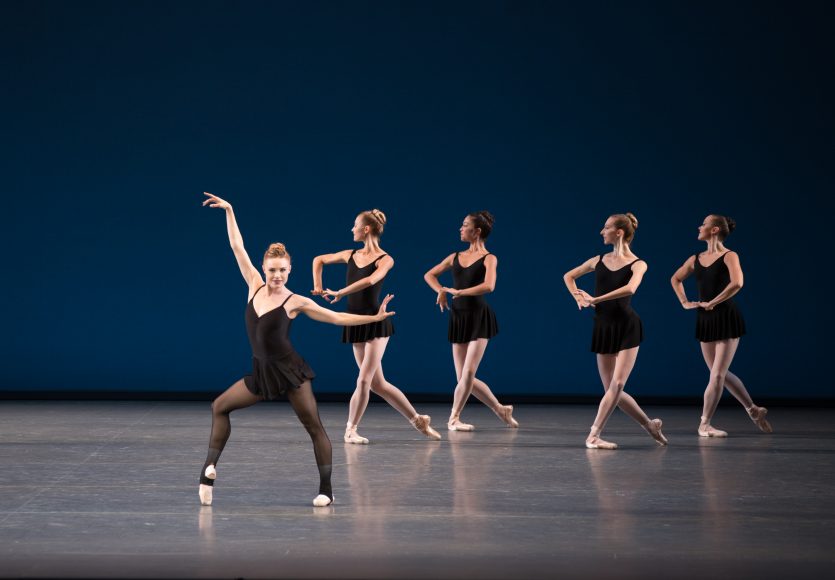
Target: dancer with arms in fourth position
x=363 y=285
x=617 y=329
x=277 y=370
x=719 y=323
x=472 y=322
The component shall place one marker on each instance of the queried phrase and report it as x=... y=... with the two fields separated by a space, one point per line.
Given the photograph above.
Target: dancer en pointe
x=617 y=328
x=366 y=270
x=472 y=322
x=719 y=323
x=277 y=369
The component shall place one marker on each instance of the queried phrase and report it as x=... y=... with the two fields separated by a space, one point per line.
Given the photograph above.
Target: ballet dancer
x=617 y=328
x=719 y=323
x=472 y=322
x=277 y=370
x=362 y=287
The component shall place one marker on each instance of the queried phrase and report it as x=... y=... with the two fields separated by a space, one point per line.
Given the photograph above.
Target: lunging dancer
x=277 y=370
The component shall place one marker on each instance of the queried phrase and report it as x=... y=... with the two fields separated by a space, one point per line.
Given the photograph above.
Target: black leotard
x=276 y=366
x=366 y=301
x=725 y=320
x=470 y=317
x=616 y=326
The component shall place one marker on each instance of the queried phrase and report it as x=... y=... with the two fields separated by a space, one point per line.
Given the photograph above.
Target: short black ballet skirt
x=725 y=320
x=276 y=366
x=470 y=317
x=617 y=326
x=366 y=301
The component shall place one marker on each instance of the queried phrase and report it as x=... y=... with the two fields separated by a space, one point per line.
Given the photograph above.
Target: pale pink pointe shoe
x=757 y=415
x=351 y=436
x=421 y=423
x=654 y=429
x=505 y=413
x=455 y=424
x=706 y=430
x=593 y=441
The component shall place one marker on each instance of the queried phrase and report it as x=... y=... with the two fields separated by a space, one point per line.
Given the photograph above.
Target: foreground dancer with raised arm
x=617 y=328
x=277 y=370
x=362 y=287
x=719 y=324
x=472 y=322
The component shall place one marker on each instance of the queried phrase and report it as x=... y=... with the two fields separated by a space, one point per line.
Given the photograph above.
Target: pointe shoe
x=322 y=500
x=421 y=423
x=505 y=413
x=593 y=441
x=757 y=415
x=351 y=436
x=705 y=430
x=457 y=425
x=205 y=493
x=654 y=429
x=211 y=472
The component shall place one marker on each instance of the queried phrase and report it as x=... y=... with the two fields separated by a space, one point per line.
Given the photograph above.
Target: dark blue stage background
x=117 y=115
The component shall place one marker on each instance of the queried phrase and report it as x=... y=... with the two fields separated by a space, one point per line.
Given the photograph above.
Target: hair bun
x=379 y=216
x=731 y=224
x=487 y=216
x=277 y=247
x=632 y=219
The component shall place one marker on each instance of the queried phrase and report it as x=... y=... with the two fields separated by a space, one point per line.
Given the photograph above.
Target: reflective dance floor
x=109 y=489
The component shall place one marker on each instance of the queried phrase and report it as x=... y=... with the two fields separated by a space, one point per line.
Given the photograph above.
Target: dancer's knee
x=616 y=385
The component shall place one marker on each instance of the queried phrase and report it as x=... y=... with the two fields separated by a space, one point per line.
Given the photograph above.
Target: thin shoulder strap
x=256 y=292
x=352 y=253
x=286 y=299
x=380 y=258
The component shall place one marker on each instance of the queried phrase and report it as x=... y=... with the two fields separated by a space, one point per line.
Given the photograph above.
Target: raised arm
x=385 y=264
x=489 y=284
x=734 y=286
x=312 y=310
x=320 y=261
x=570 y=279
x=431 y=278
x=677 y=282
x=248 y=271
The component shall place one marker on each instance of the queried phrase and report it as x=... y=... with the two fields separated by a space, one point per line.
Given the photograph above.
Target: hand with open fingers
x=689 y=305
x=440 y=300
x=215 y=201
x=331 y=296
x=382 y=311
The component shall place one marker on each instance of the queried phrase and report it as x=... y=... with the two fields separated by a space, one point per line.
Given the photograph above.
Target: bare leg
x=467 y=357
x=359 y=400
x=720 y=353
x=736 y=387
x=483 y=393
x=626 y=403
x=624 y=362
x=235 y=397
x=304 y=405
x=395 y=397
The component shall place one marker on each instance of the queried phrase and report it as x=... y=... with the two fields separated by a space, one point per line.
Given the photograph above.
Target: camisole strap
x=380 y=258
x=285 y=300
x=256 y=292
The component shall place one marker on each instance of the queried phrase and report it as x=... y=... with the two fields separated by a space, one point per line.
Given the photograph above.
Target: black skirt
x=723 y=322
x=472 y=324
x=272 y=378
x=614 y=334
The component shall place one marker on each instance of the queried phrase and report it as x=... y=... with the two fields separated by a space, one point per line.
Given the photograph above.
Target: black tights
x=304 y=404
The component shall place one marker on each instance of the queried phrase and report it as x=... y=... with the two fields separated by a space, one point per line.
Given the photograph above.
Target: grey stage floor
x=110 y=490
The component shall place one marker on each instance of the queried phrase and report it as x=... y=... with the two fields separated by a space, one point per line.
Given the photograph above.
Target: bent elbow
x=736 y=286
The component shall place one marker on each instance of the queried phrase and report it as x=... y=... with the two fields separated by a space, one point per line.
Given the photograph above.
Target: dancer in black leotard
x=277 y=370
x=362 y=287
x=617 y=328
x=719 y=324
x=471 y=320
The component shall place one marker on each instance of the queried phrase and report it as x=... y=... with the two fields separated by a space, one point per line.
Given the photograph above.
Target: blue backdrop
x=117 y=115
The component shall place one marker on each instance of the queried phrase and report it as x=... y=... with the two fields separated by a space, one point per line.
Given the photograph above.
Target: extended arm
x=312 y=310
x=734 y=286
x=677 y=282
x=248 y=271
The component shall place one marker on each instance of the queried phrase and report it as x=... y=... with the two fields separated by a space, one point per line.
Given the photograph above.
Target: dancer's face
x=359 y=230
x=610 y=233
x=277 y=271
x=469 y=233
x=706 y=229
